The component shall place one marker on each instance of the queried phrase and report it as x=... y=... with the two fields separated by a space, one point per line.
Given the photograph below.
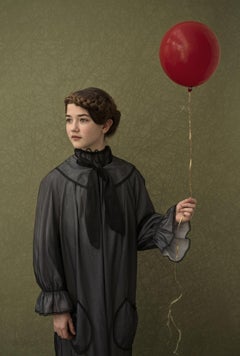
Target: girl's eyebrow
x=80 y=115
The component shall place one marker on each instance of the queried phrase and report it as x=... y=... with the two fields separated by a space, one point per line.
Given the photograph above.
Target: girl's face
x=82 y=131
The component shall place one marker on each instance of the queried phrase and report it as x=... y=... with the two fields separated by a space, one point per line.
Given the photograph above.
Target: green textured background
x=49 y=48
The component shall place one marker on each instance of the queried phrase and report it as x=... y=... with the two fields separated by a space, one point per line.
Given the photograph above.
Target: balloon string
x=170 y=319
x=190 y=140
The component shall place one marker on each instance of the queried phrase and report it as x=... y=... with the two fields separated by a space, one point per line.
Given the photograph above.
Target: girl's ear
x=107 y=125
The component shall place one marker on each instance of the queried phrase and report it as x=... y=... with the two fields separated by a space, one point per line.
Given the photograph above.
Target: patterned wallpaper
x=49 y=48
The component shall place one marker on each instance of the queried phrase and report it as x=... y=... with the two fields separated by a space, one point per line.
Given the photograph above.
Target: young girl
x=93 y=214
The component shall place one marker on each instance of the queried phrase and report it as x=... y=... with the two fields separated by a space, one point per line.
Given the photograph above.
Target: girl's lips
x=76 y=137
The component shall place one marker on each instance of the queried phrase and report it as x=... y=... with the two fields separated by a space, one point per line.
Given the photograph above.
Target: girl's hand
x=185 y=210
x=63 y=326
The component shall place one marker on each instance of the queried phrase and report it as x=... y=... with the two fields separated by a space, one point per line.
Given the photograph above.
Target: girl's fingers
x=189 y=201
x=187 y=214
x=71 y=327
x=186 y=210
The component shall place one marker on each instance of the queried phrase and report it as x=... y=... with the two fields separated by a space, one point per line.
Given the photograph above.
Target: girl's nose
x=75 y=126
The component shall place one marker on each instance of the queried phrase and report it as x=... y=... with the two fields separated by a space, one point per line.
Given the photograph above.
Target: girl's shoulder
x=122 y=163
x=124 y=169
x=52 y=177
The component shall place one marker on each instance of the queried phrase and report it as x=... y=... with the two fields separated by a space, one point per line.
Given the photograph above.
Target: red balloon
x=189 y=53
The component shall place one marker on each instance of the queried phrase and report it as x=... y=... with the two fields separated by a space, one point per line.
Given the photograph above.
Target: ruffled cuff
x=171 y=239
x=56 y=302
x=180 y=244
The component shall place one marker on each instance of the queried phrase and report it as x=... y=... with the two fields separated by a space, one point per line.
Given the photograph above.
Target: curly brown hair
x=99 y=104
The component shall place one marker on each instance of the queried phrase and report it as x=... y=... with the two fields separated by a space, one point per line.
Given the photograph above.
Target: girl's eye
x=68 y=120
x=83 y=120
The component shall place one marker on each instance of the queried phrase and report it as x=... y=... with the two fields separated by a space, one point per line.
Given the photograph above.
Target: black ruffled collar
x=94 y=158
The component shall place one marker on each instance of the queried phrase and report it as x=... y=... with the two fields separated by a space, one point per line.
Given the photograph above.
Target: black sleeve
x=47 y=260
x=158 y=230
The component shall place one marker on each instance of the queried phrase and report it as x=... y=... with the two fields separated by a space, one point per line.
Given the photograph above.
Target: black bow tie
x=113 y=212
